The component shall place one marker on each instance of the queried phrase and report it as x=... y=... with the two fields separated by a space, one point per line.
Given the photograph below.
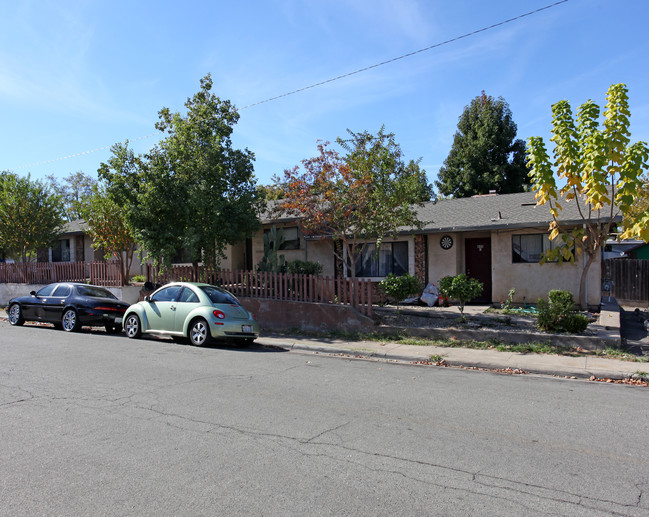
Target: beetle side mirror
x=147 y=298
x=33 y=293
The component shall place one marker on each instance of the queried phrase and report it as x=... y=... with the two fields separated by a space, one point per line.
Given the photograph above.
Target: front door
x=478 y=264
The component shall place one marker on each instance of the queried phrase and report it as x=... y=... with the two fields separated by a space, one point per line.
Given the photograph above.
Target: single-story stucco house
x=497 y=239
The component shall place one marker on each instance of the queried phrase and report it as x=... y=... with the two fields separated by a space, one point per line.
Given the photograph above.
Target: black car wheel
x=15 y=315
x=132 y=326
x=70 y=321
x=199 y=332
x=113 y=328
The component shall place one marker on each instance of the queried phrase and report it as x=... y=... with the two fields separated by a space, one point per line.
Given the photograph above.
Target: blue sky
x=77 y=76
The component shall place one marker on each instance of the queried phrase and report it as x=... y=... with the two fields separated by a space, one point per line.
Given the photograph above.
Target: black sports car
x=69 y=306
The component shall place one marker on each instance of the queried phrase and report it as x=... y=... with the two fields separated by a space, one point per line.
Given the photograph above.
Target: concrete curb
x=561 y=366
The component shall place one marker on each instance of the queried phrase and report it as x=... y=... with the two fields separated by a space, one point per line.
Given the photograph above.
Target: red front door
x=477 y=255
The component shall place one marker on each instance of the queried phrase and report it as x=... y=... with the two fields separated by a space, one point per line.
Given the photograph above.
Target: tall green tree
x=108 y=229
x=599 y=170
x=358 y=199
x=73 y=189
x=32 y=216
x=192 y=191
x=486 y=154
x=381 y=156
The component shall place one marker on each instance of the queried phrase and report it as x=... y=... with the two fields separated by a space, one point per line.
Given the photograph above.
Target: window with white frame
x=530 y=247
x=391 y=258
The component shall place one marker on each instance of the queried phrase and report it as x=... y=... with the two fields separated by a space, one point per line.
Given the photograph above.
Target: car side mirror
x=33 y=293
x=147 y=298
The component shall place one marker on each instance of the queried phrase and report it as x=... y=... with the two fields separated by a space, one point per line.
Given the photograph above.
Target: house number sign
x=446 y=242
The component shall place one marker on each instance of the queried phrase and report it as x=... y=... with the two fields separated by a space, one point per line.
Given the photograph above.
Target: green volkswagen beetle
x=198 y=312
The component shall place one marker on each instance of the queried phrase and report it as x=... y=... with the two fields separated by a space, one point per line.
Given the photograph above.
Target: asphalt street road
x=92 y=424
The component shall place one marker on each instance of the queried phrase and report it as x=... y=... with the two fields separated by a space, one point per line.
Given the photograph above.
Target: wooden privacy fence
x=626 y=279
x=98 y=273
x=275 y=286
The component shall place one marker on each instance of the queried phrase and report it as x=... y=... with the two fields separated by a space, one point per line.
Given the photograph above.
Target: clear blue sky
x=76 y=76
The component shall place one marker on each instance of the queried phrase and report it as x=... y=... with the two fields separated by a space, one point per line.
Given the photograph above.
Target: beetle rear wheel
x=199 y=332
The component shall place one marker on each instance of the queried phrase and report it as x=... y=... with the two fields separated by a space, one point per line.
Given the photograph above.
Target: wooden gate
x=626 y=279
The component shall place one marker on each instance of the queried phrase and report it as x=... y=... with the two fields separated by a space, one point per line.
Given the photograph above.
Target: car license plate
x=118 y=321
x=246 y=328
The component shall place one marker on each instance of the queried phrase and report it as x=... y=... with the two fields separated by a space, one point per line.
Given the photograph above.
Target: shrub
x=400 y=287
x=460 y=288
x=575 y=323
x=304 y=267
x=559 y=314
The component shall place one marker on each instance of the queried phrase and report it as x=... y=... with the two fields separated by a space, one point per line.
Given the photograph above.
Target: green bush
x=400 y=287
x=304 y=267
x=559 y=314
x=460 y=288
x=575 y=323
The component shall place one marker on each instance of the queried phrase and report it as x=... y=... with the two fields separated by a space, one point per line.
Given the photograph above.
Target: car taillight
x=219 y=314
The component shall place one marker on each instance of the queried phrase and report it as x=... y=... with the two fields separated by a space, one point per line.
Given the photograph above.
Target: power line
x=436 y=45
x=337 y=78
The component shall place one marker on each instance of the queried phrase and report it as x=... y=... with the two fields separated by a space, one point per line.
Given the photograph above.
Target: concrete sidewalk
x=563 y=366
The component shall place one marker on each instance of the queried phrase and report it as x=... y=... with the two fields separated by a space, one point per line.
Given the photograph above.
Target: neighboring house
x=640 y=251
x=621 y=249
x=497 y=239
x=75 y=245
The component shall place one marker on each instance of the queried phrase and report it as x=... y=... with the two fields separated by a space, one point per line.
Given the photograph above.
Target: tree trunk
x=583 y=301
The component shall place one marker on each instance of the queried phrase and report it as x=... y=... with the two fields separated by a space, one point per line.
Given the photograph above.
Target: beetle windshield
x=218 y=295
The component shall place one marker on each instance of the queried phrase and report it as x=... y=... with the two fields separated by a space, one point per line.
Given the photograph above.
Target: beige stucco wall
x=443 y=262
x=531 y=281
x=534 y=281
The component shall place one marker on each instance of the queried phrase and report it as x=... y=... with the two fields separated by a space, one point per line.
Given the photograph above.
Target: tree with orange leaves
x=357 y=199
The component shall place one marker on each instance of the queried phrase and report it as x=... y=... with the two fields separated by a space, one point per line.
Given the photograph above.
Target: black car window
x=188 y=296
x=62 y=291
x=218 y=295
x=94 y=292
x=167 y=294
x=47 y=290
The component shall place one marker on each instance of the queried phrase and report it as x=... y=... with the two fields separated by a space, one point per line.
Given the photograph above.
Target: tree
x=358 y=199
x=460 y=288
x=193 y=190
x=602 y=175
x=108 y=229
x=31 y=215
x=485 y=154
x=73 y=190
x=641 y=204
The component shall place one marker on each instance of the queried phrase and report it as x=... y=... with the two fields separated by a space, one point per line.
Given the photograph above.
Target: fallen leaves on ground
x=628 y=380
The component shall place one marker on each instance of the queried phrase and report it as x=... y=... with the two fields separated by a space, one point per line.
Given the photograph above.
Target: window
x=291 y=238
x=168 y=294
x=182 y=256
x=217 y=295
x=529 y=248
x=188 y=296
x=62 y=290
x=392 y=258
x=47 y=290
x=94 y=292
x=61 y=251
